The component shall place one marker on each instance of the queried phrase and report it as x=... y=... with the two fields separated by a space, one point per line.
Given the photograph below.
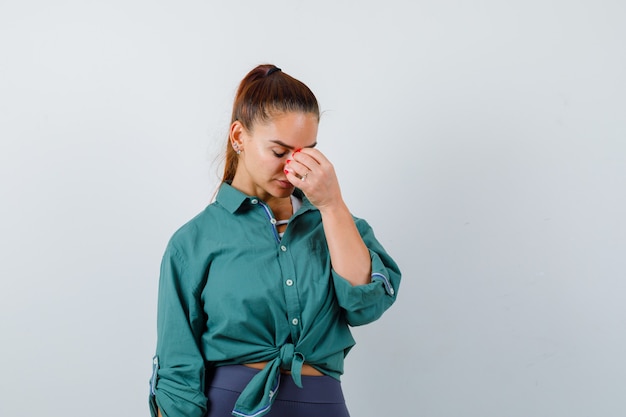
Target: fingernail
x=288 y=160
x=286 y=171
x=294 y=152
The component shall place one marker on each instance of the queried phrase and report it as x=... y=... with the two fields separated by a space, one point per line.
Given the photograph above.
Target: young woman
x=258 y=292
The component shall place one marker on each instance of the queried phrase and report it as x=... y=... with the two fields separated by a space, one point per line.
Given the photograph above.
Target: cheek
x=279 y=164
x=271 y=165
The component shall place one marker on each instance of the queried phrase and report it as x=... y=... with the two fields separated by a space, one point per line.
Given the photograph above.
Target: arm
x=364 y=276
x=178 y=376
x=348 y=254
x=366 y=303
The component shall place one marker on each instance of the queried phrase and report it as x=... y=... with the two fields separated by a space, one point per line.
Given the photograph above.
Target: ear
x=236 y=135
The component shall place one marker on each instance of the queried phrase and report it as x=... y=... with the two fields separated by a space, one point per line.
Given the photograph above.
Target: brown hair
x=264 y=92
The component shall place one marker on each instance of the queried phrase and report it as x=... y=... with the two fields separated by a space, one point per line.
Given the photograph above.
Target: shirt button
x=283 y=248
x=289 y=283
x=294 y=322
x=254 y=201
x=273 y=221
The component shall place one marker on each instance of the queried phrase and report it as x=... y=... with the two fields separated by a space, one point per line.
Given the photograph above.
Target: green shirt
x=233 y=291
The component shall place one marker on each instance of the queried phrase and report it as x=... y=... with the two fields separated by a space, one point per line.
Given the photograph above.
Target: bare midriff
x=307 y=370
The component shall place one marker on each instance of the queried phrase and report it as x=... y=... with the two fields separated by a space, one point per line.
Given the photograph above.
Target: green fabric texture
x=231 y=291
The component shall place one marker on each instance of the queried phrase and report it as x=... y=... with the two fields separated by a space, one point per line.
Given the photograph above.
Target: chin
x=284 y=193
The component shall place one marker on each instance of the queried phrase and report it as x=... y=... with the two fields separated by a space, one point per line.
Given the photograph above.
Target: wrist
x=335 y=208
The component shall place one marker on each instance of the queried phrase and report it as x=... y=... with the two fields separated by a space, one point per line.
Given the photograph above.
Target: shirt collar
x=231 y=198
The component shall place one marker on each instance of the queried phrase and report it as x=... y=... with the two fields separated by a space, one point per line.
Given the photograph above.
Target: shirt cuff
x=365 y=303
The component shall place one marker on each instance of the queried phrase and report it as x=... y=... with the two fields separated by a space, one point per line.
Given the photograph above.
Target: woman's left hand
x=309 y=170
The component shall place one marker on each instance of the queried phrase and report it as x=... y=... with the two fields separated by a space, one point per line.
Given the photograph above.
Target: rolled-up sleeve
x=366 y=303
x=177 y=383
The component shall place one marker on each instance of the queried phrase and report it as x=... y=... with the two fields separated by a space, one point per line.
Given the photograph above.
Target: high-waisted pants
x=321 y=396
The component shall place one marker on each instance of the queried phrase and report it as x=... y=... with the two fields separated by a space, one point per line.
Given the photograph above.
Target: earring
x=236 y=148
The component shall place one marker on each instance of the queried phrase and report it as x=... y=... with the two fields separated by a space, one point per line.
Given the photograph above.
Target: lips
x=285 y=184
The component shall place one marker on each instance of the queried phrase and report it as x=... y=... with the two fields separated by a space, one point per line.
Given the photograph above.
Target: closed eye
x=279 y=155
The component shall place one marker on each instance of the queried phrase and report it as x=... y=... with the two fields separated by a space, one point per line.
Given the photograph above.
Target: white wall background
x=484 y=140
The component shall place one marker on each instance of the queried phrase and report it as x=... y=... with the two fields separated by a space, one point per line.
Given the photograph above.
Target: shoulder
x=197 y=229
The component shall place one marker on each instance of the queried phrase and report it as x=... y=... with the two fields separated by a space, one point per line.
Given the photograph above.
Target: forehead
x=290 y=130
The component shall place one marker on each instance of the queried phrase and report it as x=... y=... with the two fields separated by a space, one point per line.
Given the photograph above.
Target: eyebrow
x=284 y=145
